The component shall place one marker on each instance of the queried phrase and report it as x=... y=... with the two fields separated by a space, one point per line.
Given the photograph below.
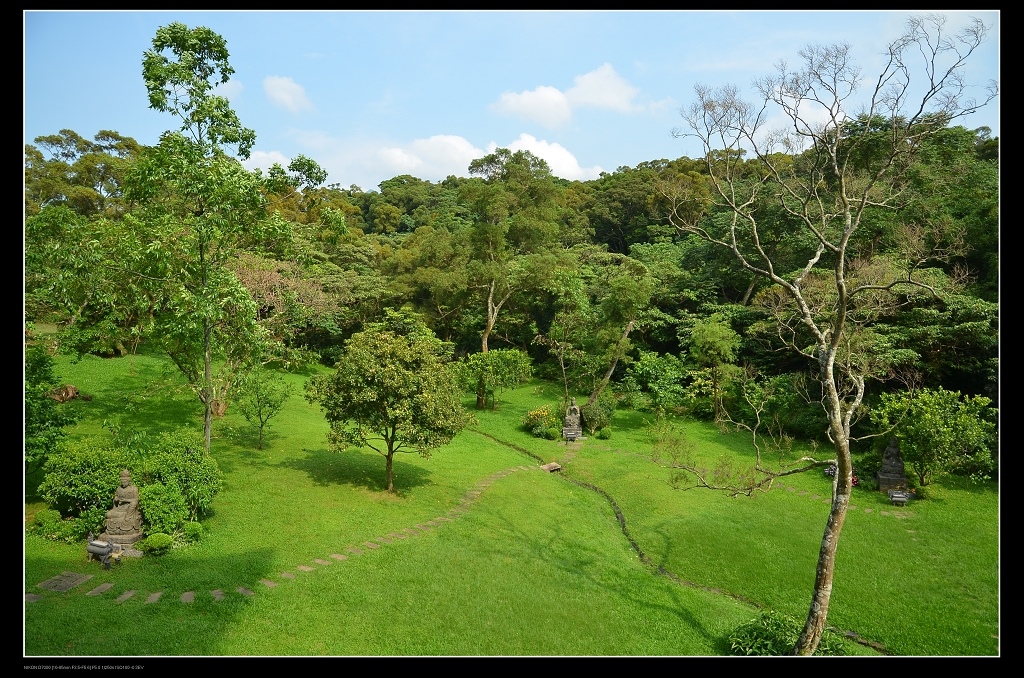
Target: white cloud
x=286 y=93
x=562 y=163
x=264 y=160
x=545 y=105
x=549 y=106
x=230 y=90
x=603 y=88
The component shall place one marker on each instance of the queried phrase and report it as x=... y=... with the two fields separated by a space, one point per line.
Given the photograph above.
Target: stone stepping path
x=66 y=581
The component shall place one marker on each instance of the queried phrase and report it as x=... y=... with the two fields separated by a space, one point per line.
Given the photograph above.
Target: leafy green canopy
x=940 y=433
x=392 y=391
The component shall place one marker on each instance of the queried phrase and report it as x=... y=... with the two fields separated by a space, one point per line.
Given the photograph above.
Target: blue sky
x=371 y=95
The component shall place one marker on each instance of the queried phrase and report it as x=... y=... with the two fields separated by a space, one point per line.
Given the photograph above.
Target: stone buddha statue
x=124 y=520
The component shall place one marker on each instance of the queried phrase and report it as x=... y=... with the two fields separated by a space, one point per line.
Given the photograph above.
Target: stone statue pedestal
x=121 y=539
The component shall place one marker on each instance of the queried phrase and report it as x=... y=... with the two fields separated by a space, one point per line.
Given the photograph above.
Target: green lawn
x=536 y=564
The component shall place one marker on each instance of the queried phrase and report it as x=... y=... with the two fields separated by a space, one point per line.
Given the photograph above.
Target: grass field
x=500 y=558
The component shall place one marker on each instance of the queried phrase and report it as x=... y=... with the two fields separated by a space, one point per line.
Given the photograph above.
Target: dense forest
x=508 y=257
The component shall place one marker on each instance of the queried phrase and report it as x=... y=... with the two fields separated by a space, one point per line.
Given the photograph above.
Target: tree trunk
x=390 y=478
x=481 y=393
x=842 y=486
x=615 y=361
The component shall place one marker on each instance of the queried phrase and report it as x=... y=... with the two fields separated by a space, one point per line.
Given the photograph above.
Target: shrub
x=155 y=544
x=553 y=433
x=49 y=524
x=605 y=433
x=775 y=634
x=598 y=415
x=83 y=476
x=192 y=531
x=540 y=420
x=163 y=507
x=179 y=458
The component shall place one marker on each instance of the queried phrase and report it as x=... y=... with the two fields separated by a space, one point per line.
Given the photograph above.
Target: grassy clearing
x=537 y=565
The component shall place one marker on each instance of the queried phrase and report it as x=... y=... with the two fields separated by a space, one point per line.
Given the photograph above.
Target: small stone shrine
x=124 y=520
x=572 y=429
x=892 y=475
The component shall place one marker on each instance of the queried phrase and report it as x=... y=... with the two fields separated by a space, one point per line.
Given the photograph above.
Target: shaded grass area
x=537 y=566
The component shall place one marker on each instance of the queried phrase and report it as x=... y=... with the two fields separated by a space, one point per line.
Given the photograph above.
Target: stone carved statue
x=124 y=520
x=892 y=476
x=572 y=415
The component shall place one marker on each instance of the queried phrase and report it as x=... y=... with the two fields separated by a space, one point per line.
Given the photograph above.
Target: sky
x=371 y=95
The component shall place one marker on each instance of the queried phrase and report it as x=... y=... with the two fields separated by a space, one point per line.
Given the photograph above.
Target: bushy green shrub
x=155 y=544
x=598 y=415
x=49 y=524
x=83 y=476
x=604 y=434
x=192 y=532
x=180 y=458
x=775 y=634
x=163 y=507
x=553 y=433
x=541 y=420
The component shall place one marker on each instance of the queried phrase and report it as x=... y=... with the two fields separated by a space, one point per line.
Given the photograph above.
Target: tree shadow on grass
x=359 y=468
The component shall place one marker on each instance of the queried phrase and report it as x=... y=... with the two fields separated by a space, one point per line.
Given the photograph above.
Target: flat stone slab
x=217 y=594
x=153 y=597
x=100 y=589
x=443 y=519
x=288 y=575
x=65 y=581
x=355 y=551
x=790 y=489
x=385 y=540
x=321 y=561
x=125 y=596
x=371 y=545
x=867 y=510
x=424 y=527
x=188 y=596
x=338 y=556
x=413 y=530
x=246 y=592
x=268 y=583
x=398 y=535
x=552 y=467
x=304 y=568
x=32 y=597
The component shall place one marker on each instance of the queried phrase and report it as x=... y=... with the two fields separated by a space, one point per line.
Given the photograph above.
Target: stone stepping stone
x=817 y=496
x=398 y=535
x=65 y=581
x=304 y=568
x=424 y=526
x=246 y=592
x=153 y=597
x=100 y=589
x=338 y=556
x=269 y=584
x=288 y=575
x=867 y=510
x=355 y=551
x=321 y=561
x=217 y=594
x=790 y=489
x=803 y=492
x=188 y=596
x=124 y=596
x=371 y=545
x=445 y=519
x=524 y=468
x=885 y=513
x=385 y=540
x=852 y=507
x=32 y=597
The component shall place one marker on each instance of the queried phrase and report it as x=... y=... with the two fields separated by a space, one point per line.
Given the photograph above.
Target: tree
x=816 y=174
x=45 y=418
x=199 y=207
x=940 y=433
x=261 y=396
x=391 y=391
x=487 y=374
x=713 y=345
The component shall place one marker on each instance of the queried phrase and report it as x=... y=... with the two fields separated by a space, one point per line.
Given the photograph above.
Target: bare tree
x=829 y=170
